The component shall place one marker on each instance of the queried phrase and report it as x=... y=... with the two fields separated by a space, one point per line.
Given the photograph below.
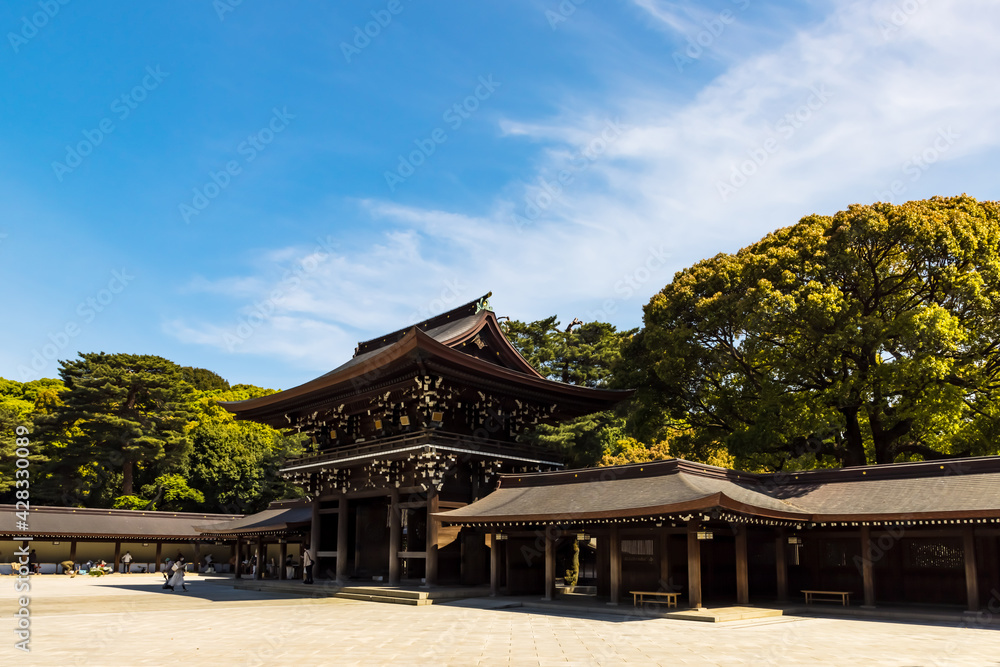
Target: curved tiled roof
x=963 y=488
x=271 y=520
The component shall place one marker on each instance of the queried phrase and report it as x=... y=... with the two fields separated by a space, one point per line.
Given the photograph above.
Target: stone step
x=383 y=591
x=391 y=599
x=291 y=587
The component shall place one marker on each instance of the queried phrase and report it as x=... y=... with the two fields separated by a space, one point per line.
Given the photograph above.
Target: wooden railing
x=430 y=438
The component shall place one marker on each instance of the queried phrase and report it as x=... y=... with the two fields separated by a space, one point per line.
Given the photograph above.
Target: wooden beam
x=615 y=545
x=342 y=522
x=971 y=573
x=742 y=580
x=550 y=566
x=159 y=555
x=694 y=565
x=118 y=555
x=781 y=563
x=867 y=568
x=494 y=565
x=395 y=536
x=197 y=557
x=431 y=572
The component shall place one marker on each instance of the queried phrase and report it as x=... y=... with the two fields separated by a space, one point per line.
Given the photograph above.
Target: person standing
x=127 y=562
x=33 y=565
x=307 y=564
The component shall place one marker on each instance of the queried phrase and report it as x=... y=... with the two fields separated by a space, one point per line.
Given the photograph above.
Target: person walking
x=127 y=562
x=177 y=578
x=307 y=565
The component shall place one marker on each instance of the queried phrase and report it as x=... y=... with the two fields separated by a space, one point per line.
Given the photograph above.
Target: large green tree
x=235 y=463
x=582 y=354
x=871 y=336
x=119 y=412
x=20 y=404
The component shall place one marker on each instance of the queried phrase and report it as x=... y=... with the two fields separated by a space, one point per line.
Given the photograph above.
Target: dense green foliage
x=870 y=336
x=583 y=354
x=132 y=432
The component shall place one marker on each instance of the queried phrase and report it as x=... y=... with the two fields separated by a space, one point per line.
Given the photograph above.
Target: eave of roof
x=416 y=345
x=269 y=521
x=87 y=523
x=914 y=492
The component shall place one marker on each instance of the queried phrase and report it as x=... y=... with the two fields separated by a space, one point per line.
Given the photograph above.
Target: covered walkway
x=893 y=534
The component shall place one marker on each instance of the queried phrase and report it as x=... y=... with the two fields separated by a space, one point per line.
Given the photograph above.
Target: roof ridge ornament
x=484 y=304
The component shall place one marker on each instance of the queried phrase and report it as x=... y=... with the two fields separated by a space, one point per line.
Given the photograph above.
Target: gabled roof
x=465 y=342
x=958 y=489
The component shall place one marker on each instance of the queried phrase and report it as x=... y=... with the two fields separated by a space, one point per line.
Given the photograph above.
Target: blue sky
x=253 y=188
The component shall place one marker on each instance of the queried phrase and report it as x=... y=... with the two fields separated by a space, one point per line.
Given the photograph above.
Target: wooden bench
x=828 y=596
x=639 y=597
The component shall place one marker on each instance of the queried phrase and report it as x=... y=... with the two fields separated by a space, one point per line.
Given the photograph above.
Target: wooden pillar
x=342 y=522
x=238 y=561
x=742 y=579
x=550 y=564
x=197 y=557
x=971 y=574
x=118 y=554
x=259 y=570
x=494 y=565
x=781 y=563
x=431 y=574
x=395 y=536
x=159 y=555
x=867 y=568
x=615 y=544
x=283 y=555
x=72 y=551
x=694 y=565
x=314 y=538
x=664 y=560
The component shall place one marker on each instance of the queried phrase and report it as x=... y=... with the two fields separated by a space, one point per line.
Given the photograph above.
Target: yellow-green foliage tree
x=870 y=336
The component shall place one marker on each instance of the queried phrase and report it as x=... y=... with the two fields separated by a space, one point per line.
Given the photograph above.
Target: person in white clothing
x=177 y=578
x=307 y=564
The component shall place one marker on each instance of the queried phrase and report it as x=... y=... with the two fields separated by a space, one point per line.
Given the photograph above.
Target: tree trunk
x=127 y=478
x=855 y=445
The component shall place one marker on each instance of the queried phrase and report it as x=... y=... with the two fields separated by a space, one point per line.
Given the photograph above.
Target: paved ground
x=129 y=621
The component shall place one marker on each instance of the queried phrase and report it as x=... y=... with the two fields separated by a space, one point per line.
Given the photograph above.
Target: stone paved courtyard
x=129 y=621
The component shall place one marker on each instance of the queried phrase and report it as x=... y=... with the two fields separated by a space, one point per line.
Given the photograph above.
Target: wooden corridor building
x=909 y=533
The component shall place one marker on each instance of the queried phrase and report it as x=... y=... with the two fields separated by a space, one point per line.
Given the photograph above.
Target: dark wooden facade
x=418 y=421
